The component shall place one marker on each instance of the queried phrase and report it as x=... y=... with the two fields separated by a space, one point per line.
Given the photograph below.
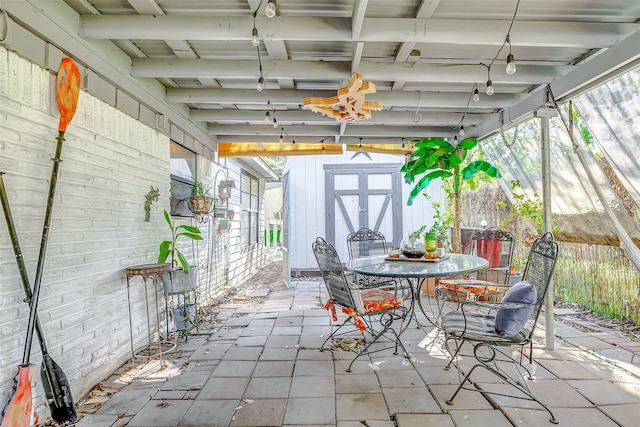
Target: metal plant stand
x=153 y=272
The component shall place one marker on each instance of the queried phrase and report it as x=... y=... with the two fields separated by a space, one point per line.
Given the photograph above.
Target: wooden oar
x=54 y=381
x=67 y=91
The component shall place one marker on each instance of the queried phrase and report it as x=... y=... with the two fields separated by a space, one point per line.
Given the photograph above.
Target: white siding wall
x=307 y=201
x=110 y=161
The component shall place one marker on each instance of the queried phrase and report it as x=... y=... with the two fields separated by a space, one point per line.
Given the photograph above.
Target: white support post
x=546 y=208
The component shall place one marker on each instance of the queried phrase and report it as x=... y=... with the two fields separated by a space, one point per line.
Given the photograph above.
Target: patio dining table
x=413 y=270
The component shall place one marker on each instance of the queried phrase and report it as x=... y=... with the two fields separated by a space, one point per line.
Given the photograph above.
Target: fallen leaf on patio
x=99 y=387
x=122 y=415
x=248 y=400
x=163 y=404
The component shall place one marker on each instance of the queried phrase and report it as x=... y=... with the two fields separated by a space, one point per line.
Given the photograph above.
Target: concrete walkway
x=261 y=366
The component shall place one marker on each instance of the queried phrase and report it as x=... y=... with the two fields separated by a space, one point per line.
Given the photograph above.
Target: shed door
x=363 y=196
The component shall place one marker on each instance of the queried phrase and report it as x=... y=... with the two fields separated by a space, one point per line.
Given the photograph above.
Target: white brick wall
x=110 y=161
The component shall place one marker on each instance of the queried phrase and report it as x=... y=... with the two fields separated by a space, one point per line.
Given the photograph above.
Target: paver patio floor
x=261 y=366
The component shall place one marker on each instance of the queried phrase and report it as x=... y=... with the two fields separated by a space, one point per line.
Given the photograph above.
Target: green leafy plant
x=416 y=235
x=528 y=207
x=436 y=158
x=441 y=221
x=168 y=247
x=202 y=190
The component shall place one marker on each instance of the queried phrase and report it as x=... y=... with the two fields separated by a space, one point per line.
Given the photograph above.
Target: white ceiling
x=424 y=57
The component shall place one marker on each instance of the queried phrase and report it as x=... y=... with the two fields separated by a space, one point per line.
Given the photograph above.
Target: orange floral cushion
x=377 y=300
x=470 y=286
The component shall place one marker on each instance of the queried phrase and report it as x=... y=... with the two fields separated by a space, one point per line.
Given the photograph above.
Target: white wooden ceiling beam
x=388 y=98
x=371 y=70
x=299 y=28
x=357 y=17
x=146 y=7
x=324 y=131
x=311 y=118
x=425 y=10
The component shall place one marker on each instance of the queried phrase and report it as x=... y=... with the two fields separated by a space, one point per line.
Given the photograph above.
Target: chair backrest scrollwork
x=332 y=272
x=366 y=242
x=538 y=272
x=496 y=234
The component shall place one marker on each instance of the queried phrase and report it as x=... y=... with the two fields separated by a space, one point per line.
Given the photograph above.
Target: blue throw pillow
x=510 y=321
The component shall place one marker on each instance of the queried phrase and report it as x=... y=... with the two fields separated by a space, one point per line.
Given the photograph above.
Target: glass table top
x=456 y=264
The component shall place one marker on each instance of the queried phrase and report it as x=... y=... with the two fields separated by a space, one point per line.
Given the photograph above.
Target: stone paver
x=625 y=415
x=603 y=392
x=361 y=407
x=310 y=410
x=263 y=412
x=476 y=418
x=262 y=366
x=155 y=414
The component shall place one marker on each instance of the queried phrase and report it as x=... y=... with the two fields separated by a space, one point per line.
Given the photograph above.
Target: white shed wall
x=307 y=201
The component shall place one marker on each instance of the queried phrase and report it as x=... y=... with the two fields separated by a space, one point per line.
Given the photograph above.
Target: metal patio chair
x=363 y=243
x=496 y=246
x=370 y=310
x=478 y=322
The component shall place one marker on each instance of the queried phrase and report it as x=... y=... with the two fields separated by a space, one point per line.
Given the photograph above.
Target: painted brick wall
x=110 y=161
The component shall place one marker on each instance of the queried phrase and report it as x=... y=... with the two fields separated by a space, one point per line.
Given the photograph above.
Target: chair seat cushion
x=378 y=300
x=476 y=327
x=509 y=321
x=471 y=286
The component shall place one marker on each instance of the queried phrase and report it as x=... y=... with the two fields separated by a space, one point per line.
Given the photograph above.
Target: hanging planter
x=200 y=205
x=201 y=199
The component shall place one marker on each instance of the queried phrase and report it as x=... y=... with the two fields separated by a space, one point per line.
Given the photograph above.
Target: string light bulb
x=260 y=85
x=490 y=90
x=267 y=117
x=476 y=95
x=293 y=140
x=511 y=62
x=281 y=141
x=270 y=10
x=254 y=37
x=275 y=122
x=462 y=132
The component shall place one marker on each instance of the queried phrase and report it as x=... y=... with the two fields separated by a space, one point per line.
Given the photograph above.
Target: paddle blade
x=57 y=391
x=18 y=412
x=67 y=91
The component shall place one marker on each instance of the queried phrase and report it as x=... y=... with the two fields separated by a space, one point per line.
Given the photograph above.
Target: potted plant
x=441 y=223
x=182 y=277
x=413 y=245
x=201 y=199
x=436 y=158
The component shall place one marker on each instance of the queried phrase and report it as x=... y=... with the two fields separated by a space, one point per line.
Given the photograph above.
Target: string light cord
x=507 y=38
x=262 y=86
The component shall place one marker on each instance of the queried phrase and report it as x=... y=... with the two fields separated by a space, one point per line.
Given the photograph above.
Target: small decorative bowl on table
x=413 y=253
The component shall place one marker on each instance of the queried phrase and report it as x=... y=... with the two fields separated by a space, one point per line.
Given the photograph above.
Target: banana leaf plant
x=436 y=158
x=168 y=247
